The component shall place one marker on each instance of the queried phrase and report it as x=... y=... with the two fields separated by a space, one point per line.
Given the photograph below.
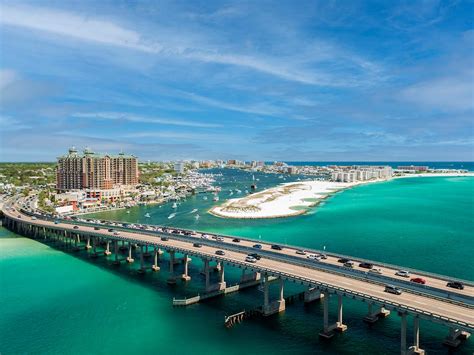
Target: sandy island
x=292 y=199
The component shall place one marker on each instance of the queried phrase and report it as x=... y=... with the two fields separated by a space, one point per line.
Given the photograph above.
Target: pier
x=324 y=279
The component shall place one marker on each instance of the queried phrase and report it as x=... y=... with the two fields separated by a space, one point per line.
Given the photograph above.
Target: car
x=455 y=284
x=196 y=245
x=349 y=264
x=255 y=255
x=111 y=230
x=366 y=265
x=76 y=227
x=236 y=240
x=323 y=256
x=19 y=216
x=301 y=252
x=165 y=239
x=403 y=273
x=97 y=228
x=33 y=218
x=377 y=271
x=276 y=247
x=250 y=259
x=220 y=252
x=257 y=246
x=343 y=260
x=418 y=280
x=204 y=236
x=219 y=239
x=117 y=233
x=312 y=257
x=56 y=222
x=393 y=289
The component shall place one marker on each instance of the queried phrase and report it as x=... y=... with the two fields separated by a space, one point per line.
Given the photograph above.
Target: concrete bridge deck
x=434 y=302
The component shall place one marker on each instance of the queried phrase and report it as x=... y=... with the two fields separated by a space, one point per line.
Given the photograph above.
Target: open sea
x=52 y=302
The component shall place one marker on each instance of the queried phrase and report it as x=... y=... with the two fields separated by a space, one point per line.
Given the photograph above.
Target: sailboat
x=147 y=215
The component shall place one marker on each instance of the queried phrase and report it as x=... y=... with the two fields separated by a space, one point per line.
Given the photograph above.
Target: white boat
x=246 y=191
x=175 y=205
x=147 y=215
x=204 y=198
x=194 y=211
x=215 y=199
x=238 y=191
x=231 y=193
x=171 y=215
x=128 y=212
x=253 y=177
x=196 y=217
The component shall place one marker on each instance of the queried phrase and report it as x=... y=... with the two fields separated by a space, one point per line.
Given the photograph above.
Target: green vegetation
x=149 y=172
x=28 y=174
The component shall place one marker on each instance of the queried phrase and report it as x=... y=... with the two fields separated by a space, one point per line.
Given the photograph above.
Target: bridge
x=322 y=278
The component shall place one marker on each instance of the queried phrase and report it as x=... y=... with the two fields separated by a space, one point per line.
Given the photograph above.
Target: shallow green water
x=54 y=302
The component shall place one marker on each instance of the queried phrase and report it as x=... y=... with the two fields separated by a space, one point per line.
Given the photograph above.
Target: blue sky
x=281 y=80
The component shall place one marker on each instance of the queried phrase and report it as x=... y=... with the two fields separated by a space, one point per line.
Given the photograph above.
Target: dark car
x=220 y=252
x=111 y=230
x=236 y=240
x=393 y=289
x=76 y=227
x=255 y=255
x=19 y=216
x=276 y=247
x=366 y=265
x=164 y=239
x=343 y=260
x=97 y=228
x=257 y=246
x=56 y=222
x=196 y=245
x=455 y=284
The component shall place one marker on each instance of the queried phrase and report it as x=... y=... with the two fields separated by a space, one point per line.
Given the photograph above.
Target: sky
x=250 y=80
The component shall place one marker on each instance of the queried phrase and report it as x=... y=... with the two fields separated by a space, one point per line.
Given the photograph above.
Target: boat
x=175 y=205
x=246 y=191
x=128 y=212
x=238 y=191
x=171 y=215
x=196 y=217
x=204 y=198
x=231 y=193
x=147 y=215
x=194 y=211
x=215 y=199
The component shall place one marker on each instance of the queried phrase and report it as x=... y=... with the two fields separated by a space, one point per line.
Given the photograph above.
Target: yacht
x=194 y=211
x=175 y=205
x=216 y=198
x=147 y=215
x=128 y=212
x=196 y=217
x=171 y=215
x=204 y=198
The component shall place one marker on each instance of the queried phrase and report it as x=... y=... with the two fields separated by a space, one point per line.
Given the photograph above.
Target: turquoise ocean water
x=54 y=302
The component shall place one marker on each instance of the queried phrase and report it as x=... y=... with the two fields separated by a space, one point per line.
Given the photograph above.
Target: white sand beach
x=285 y=200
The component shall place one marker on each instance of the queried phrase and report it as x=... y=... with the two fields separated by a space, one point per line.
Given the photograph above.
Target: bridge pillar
x=403 y=345
x=312 y=294
x=156 y=256
x=107 y=248
x=340 y=327
x=327 y=331
x=88 y=243
x=206 y=272
x=142 y=262
x=129 y=258
x=415 y=349
x=373 y=316
x=185 y=276
x=171 y=279
x=94 y=247
x=222 y=283
x=123 y=247
x=276 y=306
x=253 y=276
x=116 y=251
x=455 y=336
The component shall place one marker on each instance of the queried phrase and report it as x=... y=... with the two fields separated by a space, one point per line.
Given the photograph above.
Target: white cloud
x=7 y=77
x=143 y=119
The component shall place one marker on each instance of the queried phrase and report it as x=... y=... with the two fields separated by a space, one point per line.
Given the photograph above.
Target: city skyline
x=355 y=81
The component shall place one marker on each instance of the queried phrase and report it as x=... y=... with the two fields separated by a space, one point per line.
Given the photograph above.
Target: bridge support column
x=246 y=277
x=156 y=260
x=172 y=278
x=312 y=294
x=123 y=247
x=185 y=276
x=415 y=349
x=94 y=247
x=340 y=327
x=88 y=243
x=455 y=336
x=107 y=248
x=276 y=306
x=142 y=262
x=206 y=273
x=76 y=242
x=129 y=258
x=327 y=330
x=403 y=344
x=373 y=316
x=116 y=252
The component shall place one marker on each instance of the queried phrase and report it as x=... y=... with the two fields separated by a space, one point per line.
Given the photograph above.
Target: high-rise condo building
x=95 y=171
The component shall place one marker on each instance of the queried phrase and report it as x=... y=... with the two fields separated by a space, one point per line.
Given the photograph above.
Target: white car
x=204 y=236
x=250 y=259
x=375 y=271
x=301 y=252
x=220 y=239
x=313 y=257
x=116 y=233
x=403 y=273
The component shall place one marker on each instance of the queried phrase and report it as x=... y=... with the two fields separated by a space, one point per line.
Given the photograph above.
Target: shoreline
x=253 y=206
